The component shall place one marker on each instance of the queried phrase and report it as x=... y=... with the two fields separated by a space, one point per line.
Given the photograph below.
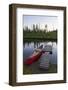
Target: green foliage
x=26 y=70
x=39 y=34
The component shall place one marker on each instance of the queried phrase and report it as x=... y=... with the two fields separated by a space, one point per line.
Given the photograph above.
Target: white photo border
x=19 y=29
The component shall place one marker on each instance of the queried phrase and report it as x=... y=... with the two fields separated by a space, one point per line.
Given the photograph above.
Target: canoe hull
x=30 y=60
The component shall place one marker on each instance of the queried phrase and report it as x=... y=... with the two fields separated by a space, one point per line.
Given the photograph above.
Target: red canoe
x=34 y=57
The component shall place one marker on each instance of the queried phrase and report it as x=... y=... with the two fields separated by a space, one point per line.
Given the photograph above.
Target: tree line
x=35 y=28
x=37 y=33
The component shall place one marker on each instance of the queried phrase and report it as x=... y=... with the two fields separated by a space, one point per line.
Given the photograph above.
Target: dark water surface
x=28 y=49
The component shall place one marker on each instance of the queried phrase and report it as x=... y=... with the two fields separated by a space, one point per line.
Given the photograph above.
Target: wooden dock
x=44 y=60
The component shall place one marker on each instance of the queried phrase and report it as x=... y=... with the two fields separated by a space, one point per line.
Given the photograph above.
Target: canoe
x=34 y=57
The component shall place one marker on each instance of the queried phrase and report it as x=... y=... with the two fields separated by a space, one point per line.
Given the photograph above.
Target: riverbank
x=38 y=39
x=35 y=69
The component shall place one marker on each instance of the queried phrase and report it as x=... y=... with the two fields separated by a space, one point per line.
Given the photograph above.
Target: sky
x=51 y=21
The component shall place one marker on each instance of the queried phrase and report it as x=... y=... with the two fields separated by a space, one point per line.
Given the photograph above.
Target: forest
x=37 y=33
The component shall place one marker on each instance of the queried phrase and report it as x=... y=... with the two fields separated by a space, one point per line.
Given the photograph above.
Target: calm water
x=29 y=48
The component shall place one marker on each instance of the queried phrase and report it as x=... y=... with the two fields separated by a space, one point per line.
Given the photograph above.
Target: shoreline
x=28 y=70
x=39 y=39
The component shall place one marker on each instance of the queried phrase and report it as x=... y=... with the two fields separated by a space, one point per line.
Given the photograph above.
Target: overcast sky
x=51 y=21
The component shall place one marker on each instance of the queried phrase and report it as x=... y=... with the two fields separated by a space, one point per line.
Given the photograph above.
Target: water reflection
x=29 y=48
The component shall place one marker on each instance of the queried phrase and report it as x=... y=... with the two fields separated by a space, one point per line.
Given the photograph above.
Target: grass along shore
x=35 y=69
